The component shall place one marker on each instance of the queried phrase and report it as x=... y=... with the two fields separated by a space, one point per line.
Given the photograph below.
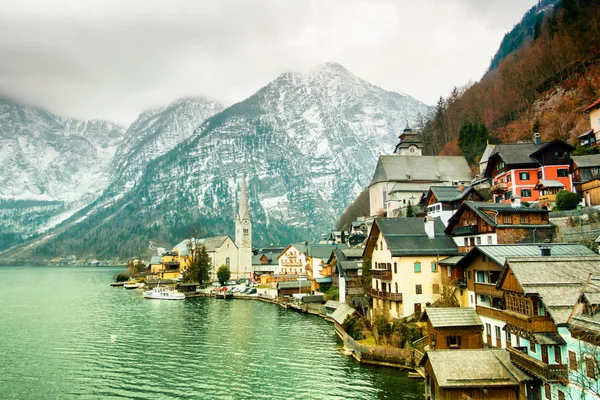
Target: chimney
x=429 y=227
x=545 y=250
x=461 y=187
x=515 y=201
x=536 y=139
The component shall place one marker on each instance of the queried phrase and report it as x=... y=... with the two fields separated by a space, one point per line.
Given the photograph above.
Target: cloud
x=113 y=59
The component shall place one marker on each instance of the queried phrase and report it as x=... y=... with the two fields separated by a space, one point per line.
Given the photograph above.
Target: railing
x=385 y=295
x=490 y=312
x=464 y=249
x=384 y=274
x=531 y=324
x=547 y=372
x=548 y=197
x=466 y=230
x=488 y=289
x=499 y=187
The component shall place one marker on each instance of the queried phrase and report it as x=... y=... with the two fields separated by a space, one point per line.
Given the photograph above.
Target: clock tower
x=410 y=144
x=243 y=234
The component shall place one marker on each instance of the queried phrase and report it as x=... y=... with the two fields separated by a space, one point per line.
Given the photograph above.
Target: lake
x=65 y=333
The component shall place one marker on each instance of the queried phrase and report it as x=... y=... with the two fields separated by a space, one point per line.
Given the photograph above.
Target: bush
x=223 y=274
x=566 y=200
x=333 y=293
x=122 y=277
x=354 y=325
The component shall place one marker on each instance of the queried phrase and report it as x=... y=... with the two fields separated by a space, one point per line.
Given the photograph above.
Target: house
x=317 y=256
x=540 y=296
x=287 y=289
x=264 y=263
x=356 y=239
x=453 y=328
x=474 y=374
x=221 y=250
x=548 y=189
x=482 y=267
x=404 y=254
x=443 y=201
x=170 y=266
x=586 y=176
x=591 y=137
x=345 y=268
x=515 y=169
x=293 y=259
x=156 y=264
x=477 y=223
x=404 y=178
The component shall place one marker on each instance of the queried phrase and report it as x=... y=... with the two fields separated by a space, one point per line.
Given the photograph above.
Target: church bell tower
x=243 y=233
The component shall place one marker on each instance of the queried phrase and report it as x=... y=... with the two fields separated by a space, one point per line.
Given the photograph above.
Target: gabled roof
x=548 y=183
x=398 y=168
x=479 y=208
x=210 y=243
x=486 y=153
x=476 y=368
x=586 y=161
x=558 y=281
x=155 y=260
x=322 y=250
x=407 y=236
x=448 y=194
x=498 y=253
x=340 y=314
x=588 y=133
x=272 y=257
x=591 y=106
x=293 y=284
x=451 y=317
x=301 y=247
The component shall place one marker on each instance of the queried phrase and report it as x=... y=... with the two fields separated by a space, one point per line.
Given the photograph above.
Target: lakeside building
x=293 y=260
x=405 y=177
x=264 y=263
x=452 y=328
x=345 y=268
x=443 y=201
x=404 y=253
x=476 y=223
x=515 y=169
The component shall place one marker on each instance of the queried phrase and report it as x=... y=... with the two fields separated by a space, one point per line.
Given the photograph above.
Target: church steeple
x=243 y=226
x=243 y=207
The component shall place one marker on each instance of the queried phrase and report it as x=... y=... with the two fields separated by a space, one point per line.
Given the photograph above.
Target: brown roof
x=594 y=104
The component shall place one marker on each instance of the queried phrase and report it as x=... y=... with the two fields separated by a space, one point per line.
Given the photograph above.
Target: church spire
x=243 y=207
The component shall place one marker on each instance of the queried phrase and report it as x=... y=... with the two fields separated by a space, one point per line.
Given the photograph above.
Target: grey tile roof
x=272 y=257
x=352 y=253
x=293 y=284
x=549 y=183
x=210 y=243
x=333 y=304
x=487 y=152
x=516 y=153
x=348 y=265
x=450 y=193
x=477 y=368
x=558 y=281
x=155 y=260
x=499 y=252
x=453 y=260
x=480 y=207
x=452 y=316
x=398 y=168
x=586 y=161
x=323 y=250
x=340 y=314
x=407 y=236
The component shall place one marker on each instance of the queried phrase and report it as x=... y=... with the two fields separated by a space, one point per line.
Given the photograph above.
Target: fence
x=572 y=213
x=375 y=354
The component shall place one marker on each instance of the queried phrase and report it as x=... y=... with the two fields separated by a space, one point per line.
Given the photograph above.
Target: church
x=222 y=250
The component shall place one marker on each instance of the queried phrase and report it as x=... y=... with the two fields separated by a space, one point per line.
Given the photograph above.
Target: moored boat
x=131 y=285
x=164 y=293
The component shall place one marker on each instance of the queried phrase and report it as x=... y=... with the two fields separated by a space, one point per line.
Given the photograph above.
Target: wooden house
x=264 y=263
x=477 y=374
x=586 y=174
x=443 y=201
x=453 y=328
x=286 y=289
x=345 y=267
x=478 y=223
x=515 y=169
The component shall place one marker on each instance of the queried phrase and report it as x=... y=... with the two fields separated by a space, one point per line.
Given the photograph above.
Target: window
x=432 y=338
x=419 y=289
x=525 y=192
x=245 y=231
x=488 y=329
x=228 y=262
x=478 y=240
x=417 y=266
x=506 y=219
x=453 y=341
x=557 y=355
x=539 y=174
x=547 y=391
x=524 y=176
x=591 y=368
x=395 y=268
x=507 y=195
x=532 y=346
x=489 y=240
x=573 y=360
x=563 y=173
x=396 y=285
x=524 y=219
x=450 y=271
x=558 y=155
x=466 y=241
x=561 y=395
x=434 y=267
x=500 y=166
x=508 y=339
x=498 y=334
x=508 y=178
x=436 y=288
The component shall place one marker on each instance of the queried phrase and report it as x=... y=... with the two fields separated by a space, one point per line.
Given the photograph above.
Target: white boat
x=131 y=285
x=164 y=293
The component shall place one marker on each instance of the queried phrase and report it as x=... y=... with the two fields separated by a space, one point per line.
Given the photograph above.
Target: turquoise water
x=65 y=333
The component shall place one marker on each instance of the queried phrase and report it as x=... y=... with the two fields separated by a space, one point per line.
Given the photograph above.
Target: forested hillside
x=551 y=78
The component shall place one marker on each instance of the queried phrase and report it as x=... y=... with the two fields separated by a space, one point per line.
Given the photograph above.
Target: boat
x=115 y=284
x=164 y=293
x=131 y=285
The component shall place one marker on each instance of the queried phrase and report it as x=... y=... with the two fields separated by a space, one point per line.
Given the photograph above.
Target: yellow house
x=404 y=254
x=591 y=137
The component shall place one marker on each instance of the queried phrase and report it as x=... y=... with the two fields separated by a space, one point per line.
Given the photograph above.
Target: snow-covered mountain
x=308 y=143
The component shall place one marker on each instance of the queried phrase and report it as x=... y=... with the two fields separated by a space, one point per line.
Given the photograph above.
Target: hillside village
x=495 y=285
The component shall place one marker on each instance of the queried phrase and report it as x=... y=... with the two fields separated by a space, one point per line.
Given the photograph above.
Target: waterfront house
x=453 y=328
x=316 y=258
x=540 y=294
x=221 y=250
x=474 y=374
x=264 y=263
x=345 y=267
x=404 y=254
x=586 y=176
x=155 y=264
x=443 y=201
x=515 y=169
x=170 y=266
x=293 y=260
x=478 y=223
x=482 y=267
x=405 y=177
x=286 y=289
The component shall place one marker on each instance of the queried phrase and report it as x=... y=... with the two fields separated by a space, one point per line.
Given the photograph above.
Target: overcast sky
x=113 y=59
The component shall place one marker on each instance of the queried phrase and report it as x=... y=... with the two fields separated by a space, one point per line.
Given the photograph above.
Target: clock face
x=412 y=149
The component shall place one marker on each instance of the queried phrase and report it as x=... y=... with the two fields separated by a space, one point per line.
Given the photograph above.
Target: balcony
x=466 y=230
x=530 y=324
x=499 y=187
x=384 y=274
x=487 y=289
x=464 y=249
x=385 y=295
x=548 y=197
x=490 y=312
x=548 y=372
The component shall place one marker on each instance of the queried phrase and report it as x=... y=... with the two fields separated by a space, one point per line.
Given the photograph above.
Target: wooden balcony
x=530 y=324
x=466 y=230
x=547 y=372
x=385 y=295
x=499 y=187
x=487 y=289
x=548 y=197
x=384 y=274
x=464 y=249
x=490 y=312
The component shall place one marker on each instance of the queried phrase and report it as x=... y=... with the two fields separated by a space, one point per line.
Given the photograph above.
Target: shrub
x=566 y=200
x=333 y=293
x=354 y=325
